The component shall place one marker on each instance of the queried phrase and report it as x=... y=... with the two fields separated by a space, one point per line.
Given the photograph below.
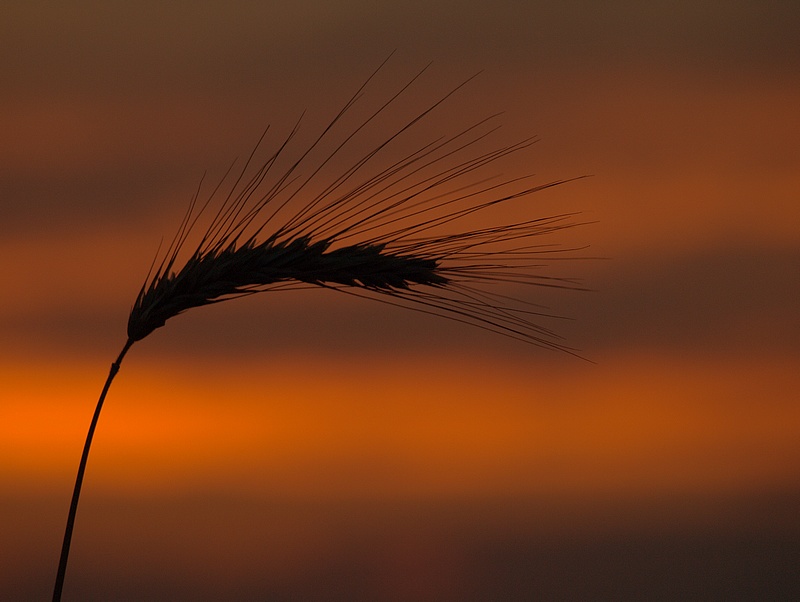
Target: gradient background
x=303 y=446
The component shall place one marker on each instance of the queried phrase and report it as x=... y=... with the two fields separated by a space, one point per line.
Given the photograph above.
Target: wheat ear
x=387 y=231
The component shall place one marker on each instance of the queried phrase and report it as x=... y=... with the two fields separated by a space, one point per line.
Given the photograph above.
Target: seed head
x=388 y=231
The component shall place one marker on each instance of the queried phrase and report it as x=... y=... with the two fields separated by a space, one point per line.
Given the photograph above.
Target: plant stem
x=76 y=493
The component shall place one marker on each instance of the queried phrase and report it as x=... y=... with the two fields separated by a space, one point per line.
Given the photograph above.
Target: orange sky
x=506 y=431
x=686 y=119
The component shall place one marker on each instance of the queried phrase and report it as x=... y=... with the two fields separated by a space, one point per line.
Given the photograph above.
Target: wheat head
x=391 y=233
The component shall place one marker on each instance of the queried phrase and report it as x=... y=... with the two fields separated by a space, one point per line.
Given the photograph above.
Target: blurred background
x=302 y=445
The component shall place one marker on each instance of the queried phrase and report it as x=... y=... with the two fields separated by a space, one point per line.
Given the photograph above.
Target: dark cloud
x=208 y=45
x=679 y=548
x=85 y=199
x=742 y=298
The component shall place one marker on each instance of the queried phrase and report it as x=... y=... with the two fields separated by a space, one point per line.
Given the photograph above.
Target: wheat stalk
x=389 y=233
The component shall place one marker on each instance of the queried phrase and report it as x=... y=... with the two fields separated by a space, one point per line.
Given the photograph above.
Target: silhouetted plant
x=389 y=233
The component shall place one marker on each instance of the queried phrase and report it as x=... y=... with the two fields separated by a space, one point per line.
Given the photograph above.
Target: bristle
x=382 y=234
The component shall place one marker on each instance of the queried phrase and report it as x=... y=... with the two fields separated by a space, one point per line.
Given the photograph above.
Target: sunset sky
x=305 y=445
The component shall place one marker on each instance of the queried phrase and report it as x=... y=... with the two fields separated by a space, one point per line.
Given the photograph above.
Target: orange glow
x=667 y=426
